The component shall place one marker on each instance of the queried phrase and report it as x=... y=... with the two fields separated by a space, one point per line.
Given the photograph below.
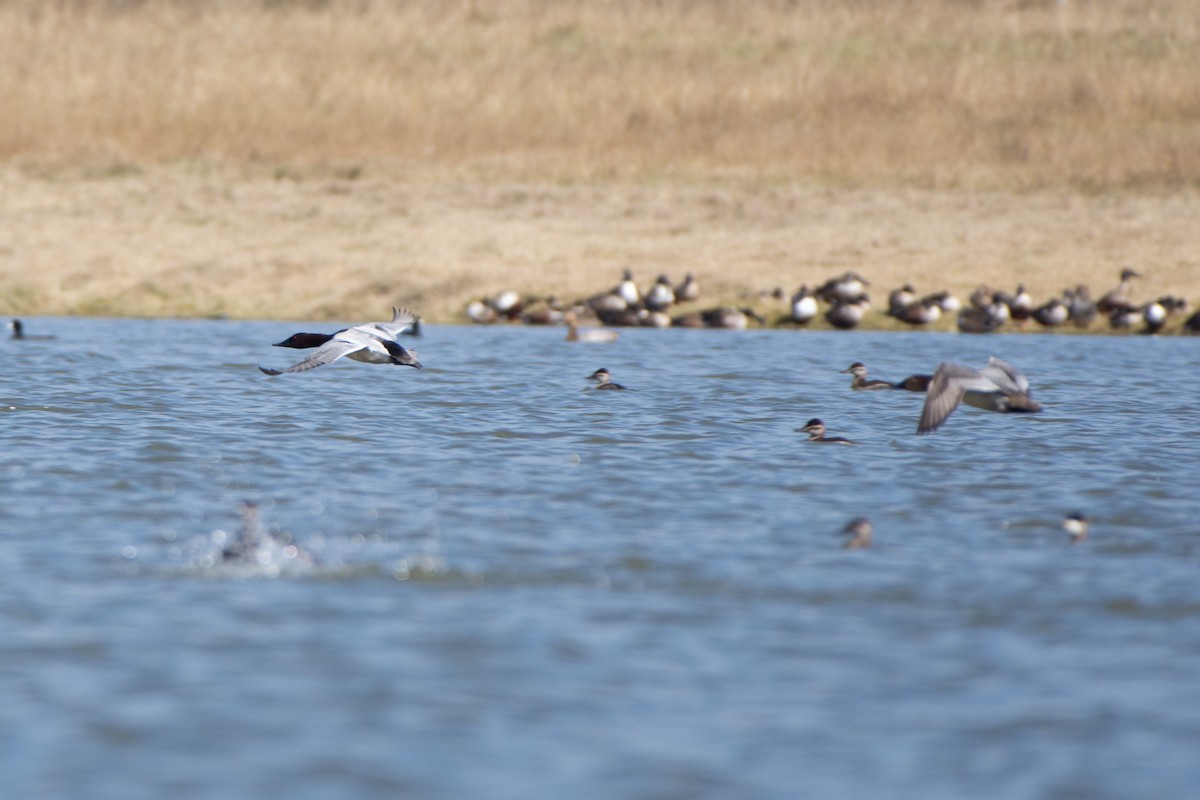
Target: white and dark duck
x=815 y=429
x=371 y=343
x=603 y=379
x=804 y=306
x=1076 y=526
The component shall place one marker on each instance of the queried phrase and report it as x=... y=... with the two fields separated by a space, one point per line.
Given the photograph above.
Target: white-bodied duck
x=372 y=343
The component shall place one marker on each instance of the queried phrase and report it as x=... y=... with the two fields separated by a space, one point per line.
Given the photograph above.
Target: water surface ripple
x=527 y=589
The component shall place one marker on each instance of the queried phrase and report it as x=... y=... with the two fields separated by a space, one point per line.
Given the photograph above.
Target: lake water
x=527 y=589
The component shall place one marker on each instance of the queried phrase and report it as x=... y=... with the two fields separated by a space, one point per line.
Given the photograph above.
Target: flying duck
x=373 y=343
x=997 y=387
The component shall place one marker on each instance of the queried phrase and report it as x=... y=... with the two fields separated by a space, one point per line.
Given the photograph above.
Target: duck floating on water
x=860 y=382
x=815 y=429
x=593 y=335
x=603 y=379
x=1076 y=526
x=18 y=332
x=371 y=343
x=858 y=532
x=997 y=387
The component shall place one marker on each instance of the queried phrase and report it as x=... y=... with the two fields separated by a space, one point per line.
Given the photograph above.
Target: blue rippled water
x=527 y=589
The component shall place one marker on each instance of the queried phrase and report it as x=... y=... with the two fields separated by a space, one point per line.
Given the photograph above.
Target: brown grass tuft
x=935 y=93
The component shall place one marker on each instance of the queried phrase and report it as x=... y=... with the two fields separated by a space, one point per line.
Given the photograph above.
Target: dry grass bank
x=1004 y=94
x=202 y=241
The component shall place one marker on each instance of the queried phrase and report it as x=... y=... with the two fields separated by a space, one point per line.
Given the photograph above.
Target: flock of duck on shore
x=843 y=302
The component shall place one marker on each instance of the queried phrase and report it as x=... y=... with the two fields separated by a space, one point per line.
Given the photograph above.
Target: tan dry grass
x=1004 y=94
x=193 y=241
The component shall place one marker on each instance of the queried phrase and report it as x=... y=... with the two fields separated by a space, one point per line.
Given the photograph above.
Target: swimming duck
x=858 y=532
x=804 y=306
x=1192 y=323
x=1076 y=525
x=594 y=335
x=860 y=382
x=256 y=546
x=914 y=383
x=815 y=429
x=18 y=332
x=604 y=380
x=997 y=387
x=372 y=343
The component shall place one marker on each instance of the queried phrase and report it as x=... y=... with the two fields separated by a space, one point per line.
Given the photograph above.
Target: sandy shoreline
x=202 y=240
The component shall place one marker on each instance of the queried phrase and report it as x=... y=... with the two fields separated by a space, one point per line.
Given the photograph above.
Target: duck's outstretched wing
x=325 y=354
x=1008 y=379
x=403 y=322
x=946 y=392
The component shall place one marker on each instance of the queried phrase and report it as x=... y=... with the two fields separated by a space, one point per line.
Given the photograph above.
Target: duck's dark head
x=302 y=341
x=401 y=355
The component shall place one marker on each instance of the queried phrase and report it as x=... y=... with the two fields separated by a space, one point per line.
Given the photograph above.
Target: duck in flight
x=997 y=387
x=372 y=343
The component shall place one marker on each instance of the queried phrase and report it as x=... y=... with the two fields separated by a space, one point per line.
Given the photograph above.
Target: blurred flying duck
x=997 y=387
x=373 y=343
x=815 y=429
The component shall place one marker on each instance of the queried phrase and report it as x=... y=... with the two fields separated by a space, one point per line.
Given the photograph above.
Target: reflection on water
x=514 y=586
